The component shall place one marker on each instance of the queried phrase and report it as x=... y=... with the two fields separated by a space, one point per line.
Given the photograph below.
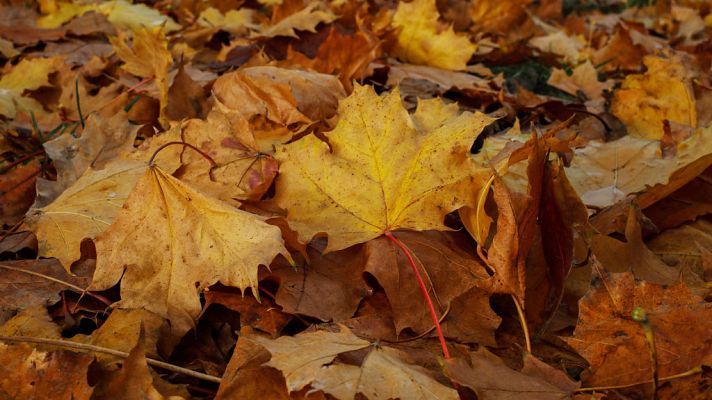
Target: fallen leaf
x=421 y=41
x=305 y=19
x=133 y=380
x=663 y=92
x=584 y=78
x=281 y=95
x=234 y=21
x=329 y=286
x=25 y=76
x=101 y=140
x=30 y=373
x=32 y=322
x=181 y=242
x=186 y=98
x=498 y=16
x=121 y=13
x=148 y=57
x=615 y=345
x=258 y=315
x=20 y=290
x=306 y=359
x=491 y=379
x=411 y=172
x=450 y=270
x=445 y=80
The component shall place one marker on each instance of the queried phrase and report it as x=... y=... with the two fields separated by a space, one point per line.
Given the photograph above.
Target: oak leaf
x=171 y=241
x=148 y=57
x=387 y=170
x=663 y=92
x=421 y=41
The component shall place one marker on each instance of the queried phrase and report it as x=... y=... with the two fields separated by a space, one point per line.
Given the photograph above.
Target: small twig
x=693 y=371
x=61 y=282
x=423 y=289
x=96 y=349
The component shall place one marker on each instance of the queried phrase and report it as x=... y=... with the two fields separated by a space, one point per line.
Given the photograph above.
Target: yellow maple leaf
x=148 y=57
x=27 y=75
x=305 y=19
x=663 y=92
x=420 y=40
x=171 y=241
x=87 y=207
x=121 y=13
x=387 y=171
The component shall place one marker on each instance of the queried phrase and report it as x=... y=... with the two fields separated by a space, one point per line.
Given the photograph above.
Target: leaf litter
x=355 y=199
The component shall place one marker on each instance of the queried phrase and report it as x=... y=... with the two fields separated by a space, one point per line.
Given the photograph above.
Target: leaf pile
x=233 y=199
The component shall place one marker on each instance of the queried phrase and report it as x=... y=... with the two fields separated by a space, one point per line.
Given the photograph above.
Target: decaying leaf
x=181 y=242
x=30 y=373
x=615 y=345
x=408 y=174
x=421 y=41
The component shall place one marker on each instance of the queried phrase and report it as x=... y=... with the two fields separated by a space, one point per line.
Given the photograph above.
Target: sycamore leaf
x=663 y=92
x=387 y=171
x=171 y=241
x=305 y=19
x=615 y=345
x=148 y=57
x=308 y=359
x=29 y=74
x=421 y=42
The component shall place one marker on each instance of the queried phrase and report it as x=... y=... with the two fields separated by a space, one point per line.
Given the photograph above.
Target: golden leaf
x=27 y=75
x=170 y=241
x=421 y=42
x=148 y=58
x=304 y=20
x=387 y=171
x=663 y=92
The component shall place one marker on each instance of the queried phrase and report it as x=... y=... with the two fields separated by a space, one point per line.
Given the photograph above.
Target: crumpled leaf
x=663 y=92
x=421 y=41
x=615 y=345
x=306 y=359
x=101 y=140
x=283 y=96
x=170 y=242
x=305 y=19
x=242 y=171
x=148 y=57
x=29 y=373
x=387 y=171
x=28 y=74
x=491 y=379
